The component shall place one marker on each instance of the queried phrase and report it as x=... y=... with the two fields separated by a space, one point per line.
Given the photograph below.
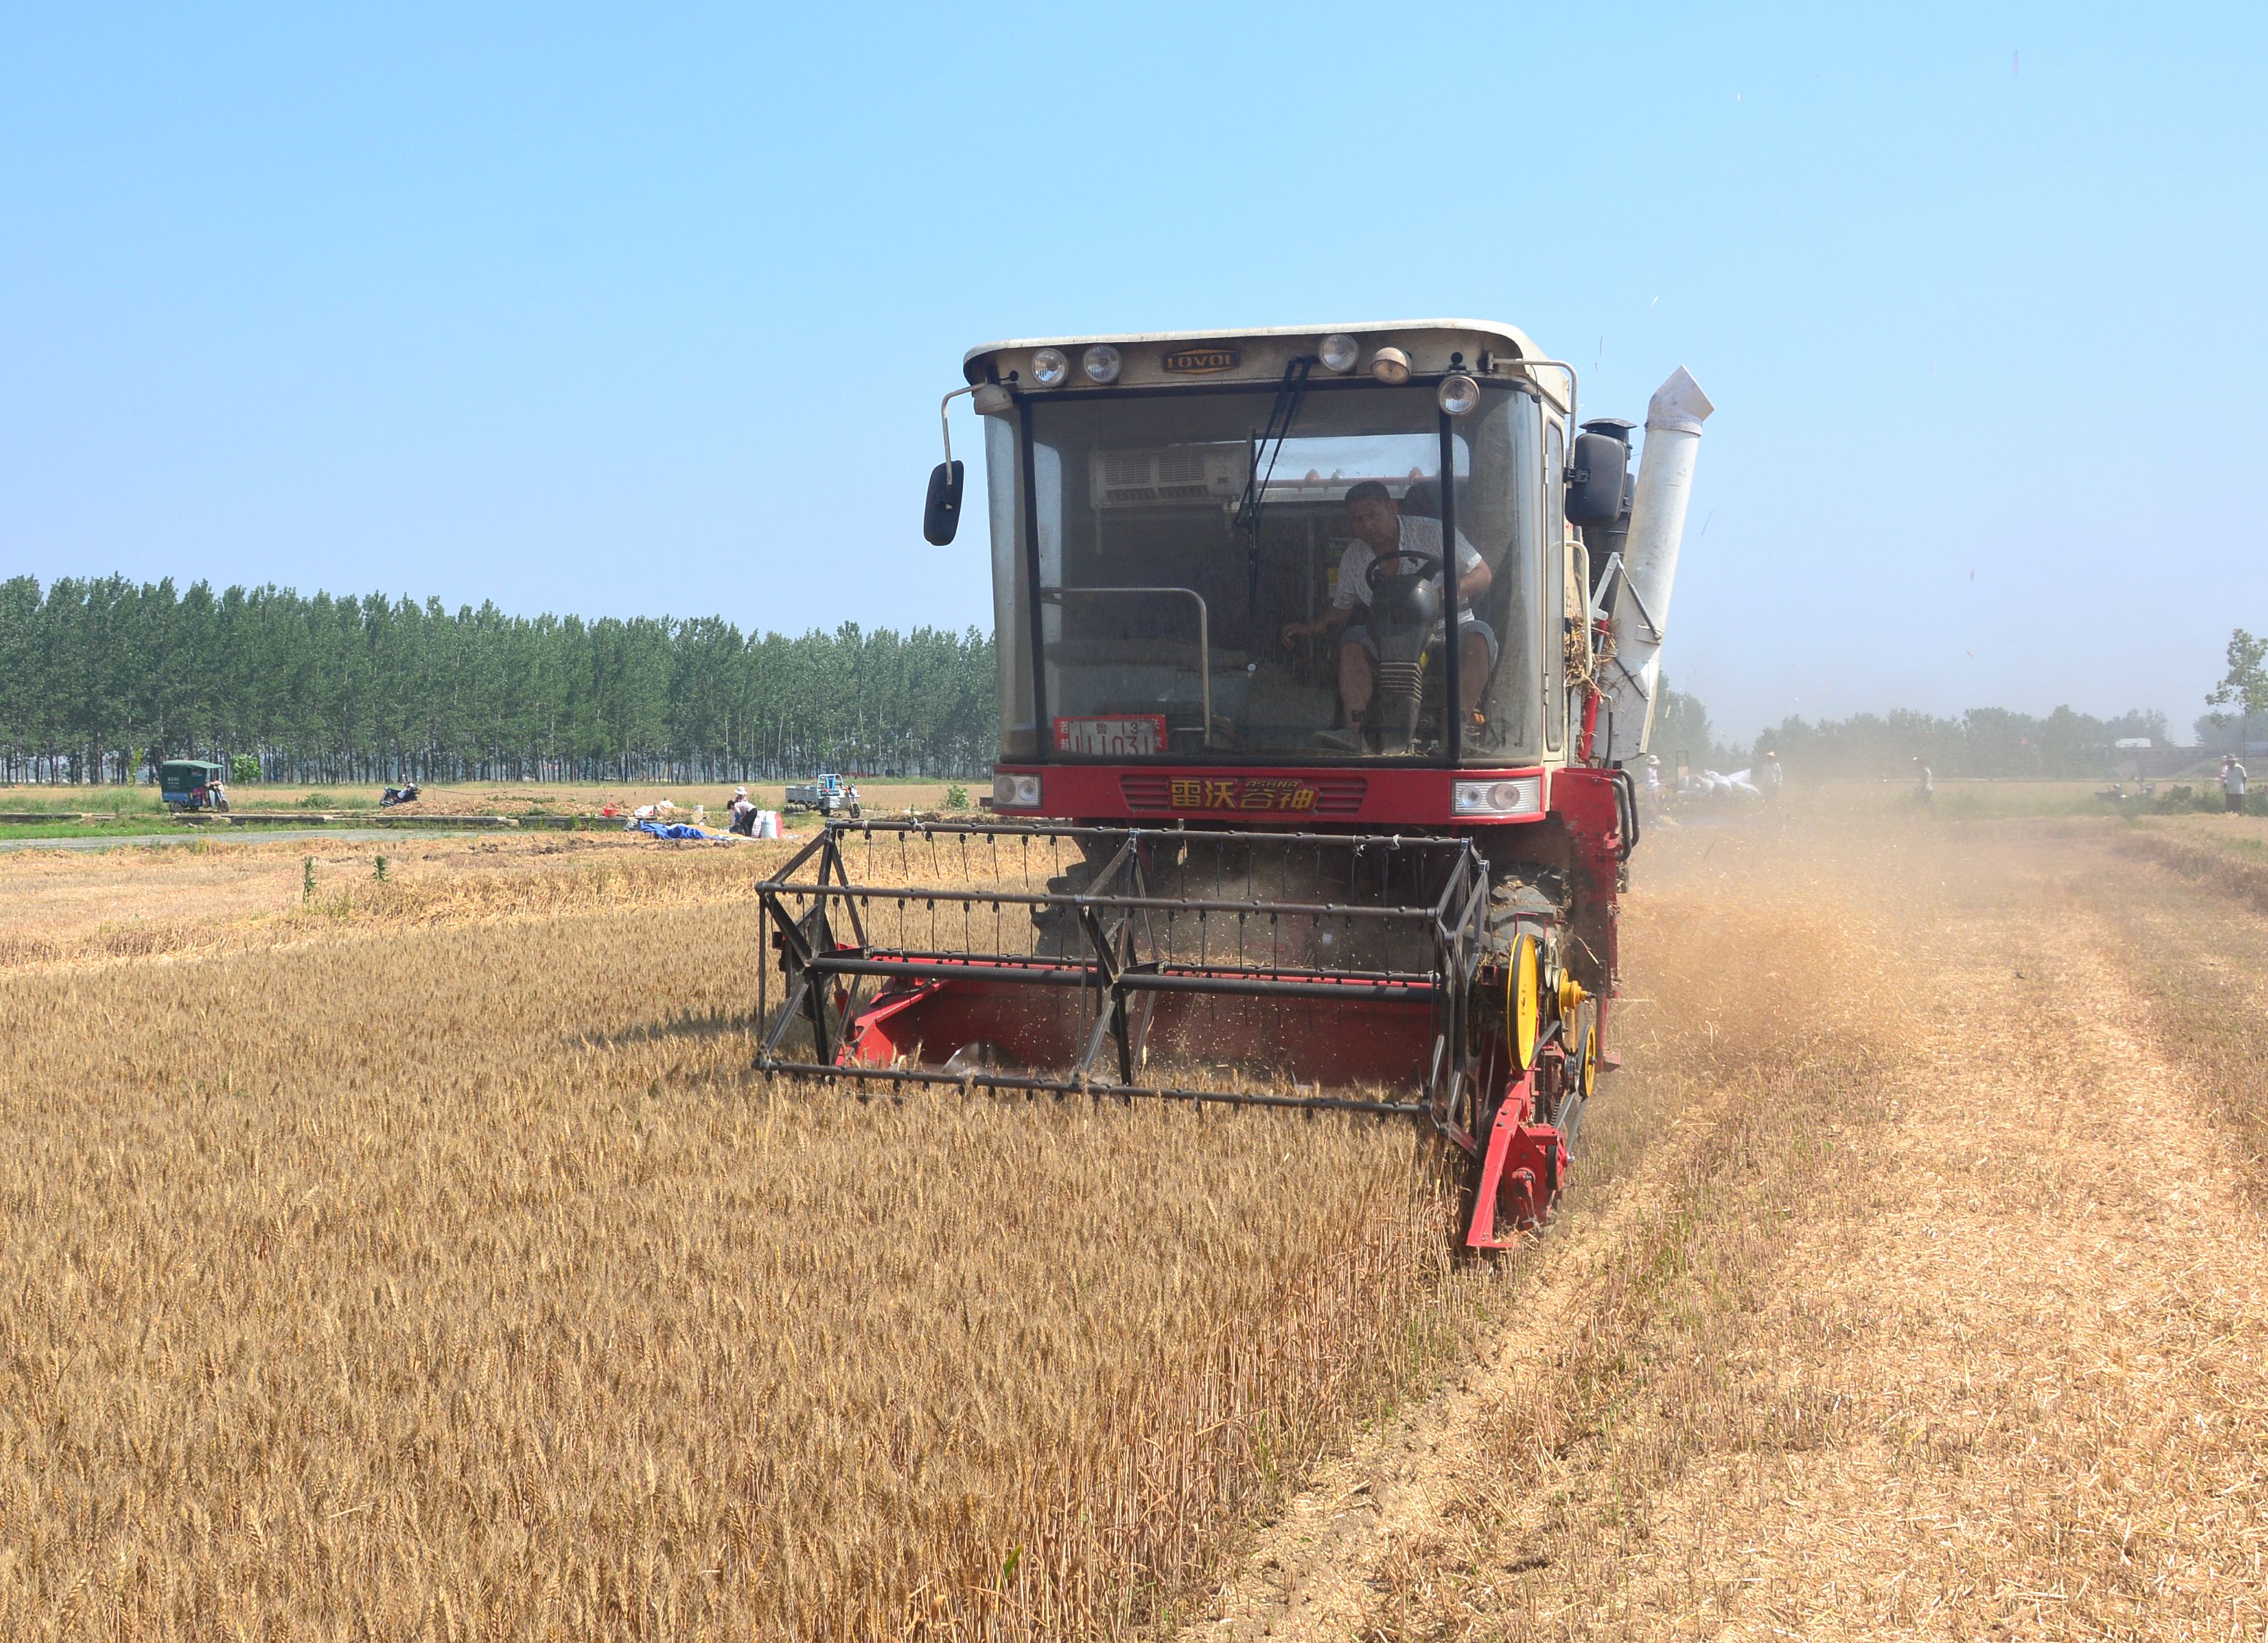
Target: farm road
x=1951 y=1324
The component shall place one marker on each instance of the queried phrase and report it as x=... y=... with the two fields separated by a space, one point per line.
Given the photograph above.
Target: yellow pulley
x=1570 y=998
x=1523 y=997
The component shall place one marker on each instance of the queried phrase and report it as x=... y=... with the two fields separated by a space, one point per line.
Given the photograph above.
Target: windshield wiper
x=1291 y=394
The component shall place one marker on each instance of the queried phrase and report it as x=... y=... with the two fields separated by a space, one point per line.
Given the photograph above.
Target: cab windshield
x=1197 y=589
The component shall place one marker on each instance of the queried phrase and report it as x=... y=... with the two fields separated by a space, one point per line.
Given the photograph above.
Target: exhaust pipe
x=1638 y=611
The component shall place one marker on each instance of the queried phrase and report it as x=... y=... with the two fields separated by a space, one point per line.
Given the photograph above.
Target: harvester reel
x=1376 y=974
x=1305 y=970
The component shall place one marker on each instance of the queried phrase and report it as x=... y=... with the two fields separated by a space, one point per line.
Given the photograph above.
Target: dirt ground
x=1944 y=1317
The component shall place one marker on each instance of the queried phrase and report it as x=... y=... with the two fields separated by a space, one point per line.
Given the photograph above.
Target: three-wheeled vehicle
x=830 y=795
x=191 y=785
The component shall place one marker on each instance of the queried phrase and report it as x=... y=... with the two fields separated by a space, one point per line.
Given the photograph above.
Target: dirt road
x=1917 y=1289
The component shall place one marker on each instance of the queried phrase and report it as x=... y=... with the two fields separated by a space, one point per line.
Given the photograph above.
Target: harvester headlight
x=1015 y=793
x=1391 y=366
x=1459 y=393
x=1340 y=352
x=1051 y=366
x=1101 y=363
x=1522 y=795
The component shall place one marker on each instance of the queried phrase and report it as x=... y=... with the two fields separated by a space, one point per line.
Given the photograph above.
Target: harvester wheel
x=1523 y=1000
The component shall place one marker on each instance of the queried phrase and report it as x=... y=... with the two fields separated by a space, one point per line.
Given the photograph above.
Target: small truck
x=830 y=795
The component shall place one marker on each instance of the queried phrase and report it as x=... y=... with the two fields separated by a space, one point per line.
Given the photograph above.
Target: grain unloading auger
x=1262 y=834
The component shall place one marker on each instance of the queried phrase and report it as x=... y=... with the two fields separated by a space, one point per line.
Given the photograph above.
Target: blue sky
x=582 y=309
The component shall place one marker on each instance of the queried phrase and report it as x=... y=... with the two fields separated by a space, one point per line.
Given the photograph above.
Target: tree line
x=1983 y=741
x=102 y=679
x=1994 y=741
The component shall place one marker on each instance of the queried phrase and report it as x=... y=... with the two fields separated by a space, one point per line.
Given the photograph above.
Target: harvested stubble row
x=442 y=1273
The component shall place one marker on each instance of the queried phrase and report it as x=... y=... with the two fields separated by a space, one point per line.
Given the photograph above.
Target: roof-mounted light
x=1101 y=363
x=1391 y=366
x=1340 y=352
x=992 y=399
x=1459 y=393
x=1050 y=367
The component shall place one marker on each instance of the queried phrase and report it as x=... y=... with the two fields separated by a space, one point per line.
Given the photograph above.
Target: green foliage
x=243 y=767
x=2231 y=733
x=378 y=870
x=100 y=677
x=2246 y=681
x=956 y=796
x=1681 y=725
x=306 y=880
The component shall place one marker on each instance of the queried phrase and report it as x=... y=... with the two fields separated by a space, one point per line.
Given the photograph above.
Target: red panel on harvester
x=1355 y=1040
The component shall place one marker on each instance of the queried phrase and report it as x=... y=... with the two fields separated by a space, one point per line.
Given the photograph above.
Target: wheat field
x=415 y=1258
x=418 y=1259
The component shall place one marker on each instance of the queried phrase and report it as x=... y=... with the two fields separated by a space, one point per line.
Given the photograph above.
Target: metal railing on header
x=1109 y=914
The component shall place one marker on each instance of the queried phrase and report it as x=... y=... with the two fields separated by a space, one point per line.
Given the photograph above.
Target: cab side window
x=1555 y=538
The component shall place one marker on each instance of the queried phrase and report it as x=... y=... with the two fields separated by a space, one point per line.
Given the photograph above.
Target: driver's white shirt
x=1419 y=535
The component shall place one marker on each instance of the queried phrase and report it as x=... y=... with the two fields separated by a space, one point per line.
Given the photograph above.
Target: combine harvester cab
x=1263 y=833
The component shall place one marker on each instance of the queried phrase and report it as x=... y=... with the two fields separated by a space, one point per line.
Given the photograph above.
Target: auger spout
x=1639 y=600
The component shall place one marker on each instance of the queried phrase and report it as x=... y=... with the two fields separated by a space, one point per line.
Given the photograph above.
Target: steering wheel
x=1377 y=574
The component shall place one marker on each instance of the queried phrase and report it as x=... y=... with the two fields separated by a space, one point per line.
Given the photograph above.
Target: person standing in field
x=1925 y=794
x=2232 y=784
x=1653 y=786
x=1769 y=779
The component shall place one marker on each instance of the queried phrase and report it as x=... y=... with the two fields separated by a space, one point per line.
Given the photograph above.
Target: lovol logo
x=1200 y=359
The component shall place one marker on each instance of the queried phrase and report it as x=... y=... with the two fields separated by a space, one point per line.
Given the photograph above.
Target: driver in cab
x=1383 y=533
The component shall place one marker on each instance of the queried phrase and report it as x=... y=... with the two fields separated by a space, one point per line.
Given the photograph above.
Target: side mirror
x=1595 y=479
x=941 y=514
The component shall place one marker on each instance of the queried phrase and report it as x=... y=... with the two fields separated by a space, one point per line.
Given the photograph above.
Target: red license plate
x=1119 y=736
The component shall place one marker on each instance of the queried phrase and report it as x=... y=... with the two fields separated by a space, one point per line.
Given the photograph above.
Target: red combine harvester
x=1263 y=833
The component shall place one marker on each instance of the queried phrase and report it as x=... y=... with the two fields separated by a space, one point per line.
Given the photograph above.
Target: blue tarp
x=672 y=829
